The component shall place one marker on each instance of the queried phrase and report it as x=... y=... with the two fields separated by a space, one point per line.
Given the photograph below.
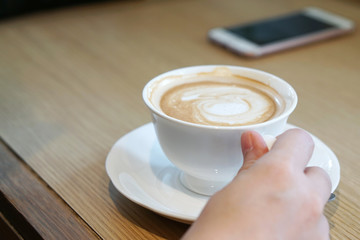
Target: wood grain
x=71 y=82
x=31 y=208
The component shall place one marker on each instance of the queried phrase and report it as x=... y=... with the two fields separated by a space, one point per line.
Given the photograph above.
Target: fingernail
x=249 y=146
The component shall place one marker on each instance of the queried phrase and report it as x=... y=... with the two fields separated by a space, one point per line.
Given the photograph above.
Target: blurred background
x=11 y=8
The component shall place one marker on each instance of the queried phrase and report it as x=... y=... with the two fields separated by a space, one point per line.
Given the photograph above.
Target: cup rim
x=156 y=111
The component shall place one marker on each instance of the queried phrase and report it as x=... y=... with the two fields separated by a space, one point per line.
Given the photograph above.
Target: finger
x=294 y=145
x=320 y=181
x=253 y=147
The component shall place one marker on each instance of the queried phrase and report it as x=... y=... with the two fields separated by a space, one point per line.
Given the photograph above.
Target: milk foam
x=220 y=103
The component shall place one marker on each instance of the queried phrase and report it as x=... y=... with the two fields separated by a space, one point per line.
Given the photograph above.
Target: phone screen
x=269 y=31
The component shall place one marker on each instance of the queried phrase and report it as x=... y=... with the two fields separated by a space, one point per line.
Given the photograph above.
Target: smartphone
x=279 y=33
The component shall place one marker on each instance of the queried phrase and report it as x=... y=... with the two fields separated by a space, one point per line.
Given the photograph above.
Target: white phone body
x=280 y=33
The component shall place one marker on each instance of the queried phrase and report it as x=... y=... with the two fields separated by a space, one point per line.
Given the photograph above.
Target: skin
x=274 y=195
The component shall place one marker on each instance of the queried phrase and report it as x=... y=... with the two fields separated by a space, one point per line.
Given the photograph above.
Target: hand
x=274 y=195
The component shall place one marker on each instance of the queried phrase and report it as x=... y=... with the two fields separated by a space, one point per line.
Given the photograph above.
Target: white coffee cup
x=209 y=156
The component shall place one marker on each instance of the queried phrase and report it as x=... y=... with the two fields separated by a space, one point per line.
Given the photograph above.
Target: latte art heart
x=220 y=103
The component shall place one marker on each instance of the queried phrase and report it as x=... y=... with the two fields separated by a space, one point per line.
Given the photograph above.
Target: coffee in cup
x=220 y=98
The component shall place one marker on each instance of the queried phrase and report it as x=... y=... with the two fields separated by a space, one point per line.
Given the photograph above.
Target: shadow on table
x=331 y=208
x=146 y=219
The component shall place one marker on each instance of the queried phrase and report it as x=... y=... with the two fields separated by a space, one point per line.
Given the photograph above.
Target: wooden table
x=70 y=86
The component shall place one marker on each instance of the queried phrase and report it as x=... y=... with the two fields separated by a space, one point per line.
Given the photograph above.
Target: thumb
x=253 y=147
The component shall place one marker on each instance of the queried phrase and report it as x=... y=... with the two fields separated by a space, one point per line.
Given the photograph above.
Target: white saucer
x=139 y=169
